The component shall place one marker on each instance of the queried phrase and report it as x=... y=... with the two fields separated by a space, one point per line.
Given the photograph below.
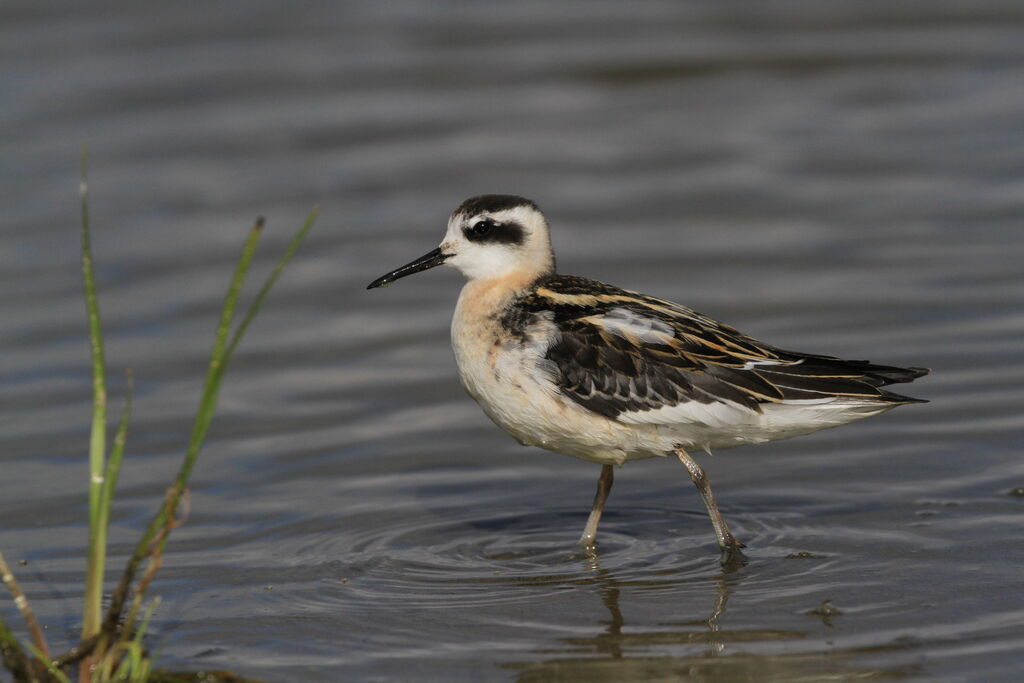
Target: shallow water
x=834 y=179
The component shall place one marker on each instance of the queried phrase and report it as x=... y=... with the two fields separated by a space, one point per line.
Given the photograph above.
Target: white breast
x=513 y=382
x=499 y=370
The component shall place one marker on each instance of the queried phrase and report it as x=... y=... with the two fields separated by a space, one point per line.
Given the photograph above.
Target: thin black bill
x=425 y=262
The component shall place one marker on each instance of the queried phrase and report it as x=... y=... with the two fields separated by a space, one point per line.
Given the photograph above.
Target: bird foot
x=732 y=557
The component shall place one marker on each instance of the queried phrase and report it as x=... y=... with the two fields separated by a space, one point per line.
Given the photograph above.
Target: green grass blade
x=11 y=654
x=113 y=469
x=209 y=401
x=13 y=657
x=144 y=625
x=289 y=252
x=207 y=404
x=155 y=537
x=51 y=668
x=135 y=664
x=219 y=358
x=97 y=441
x=117 y=450
x=214 y=374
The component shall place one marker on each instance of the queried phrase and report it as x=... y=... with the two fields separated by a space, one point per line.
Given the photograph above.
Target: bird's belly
x=533 y=415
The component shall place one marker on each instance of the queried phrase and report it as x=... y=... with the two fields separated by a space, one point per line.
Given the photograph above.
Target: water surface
x=838 y=179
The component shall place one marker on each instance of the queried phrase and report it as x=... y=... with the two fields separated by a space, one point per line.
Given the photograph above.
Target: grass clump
x=111 y=646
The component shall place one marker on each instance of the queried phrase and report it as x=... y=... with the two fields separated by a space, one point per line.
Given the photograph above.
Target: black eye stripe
x=483 y=226
x=487 y=230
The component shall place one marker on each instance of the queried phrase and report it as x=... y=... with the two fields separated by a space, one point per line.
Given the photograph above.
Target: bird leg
x=726 y=541
x=604 y=486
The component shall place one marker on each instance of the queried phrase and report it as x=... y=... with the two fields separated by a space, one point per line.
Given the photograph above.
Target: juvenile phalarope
x=586 y=369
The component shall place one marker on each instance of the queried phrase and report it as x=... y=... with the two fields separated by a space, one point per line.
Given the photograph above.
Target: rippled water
x=834 y=177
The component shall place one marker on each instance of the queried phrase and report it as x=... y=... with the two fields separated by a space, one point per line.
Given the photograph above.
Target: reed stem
x=92 y=610
x=13 y=656
x=21 y=602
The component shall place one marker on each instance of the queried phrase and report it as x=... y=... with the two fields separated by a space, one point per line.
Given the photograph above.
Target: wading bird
x=608 y=375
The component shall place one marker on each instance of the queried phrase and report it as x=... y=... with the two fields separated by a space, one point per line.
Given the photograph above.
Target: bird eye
x=483 y=227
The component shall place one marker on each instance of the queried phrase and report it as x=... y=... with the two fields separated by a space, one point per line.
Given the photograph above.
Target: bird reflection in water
x=613 y=642
x=615 y=655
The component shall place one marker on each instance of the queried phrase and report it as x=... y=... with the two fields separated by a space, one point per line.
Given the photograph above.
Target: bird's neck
x=485 y=297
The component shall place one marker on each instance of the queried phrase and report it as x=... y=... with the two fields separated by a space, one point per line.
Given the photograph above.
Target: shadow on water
x=618 y=653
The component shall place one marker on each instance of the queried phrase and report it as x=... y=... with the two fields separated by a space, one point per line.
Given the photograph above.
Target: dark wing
x=622 y=352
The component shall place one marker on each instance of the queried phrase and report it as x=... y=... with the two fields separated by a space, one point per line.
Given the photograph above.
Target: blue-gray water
x=843 y=178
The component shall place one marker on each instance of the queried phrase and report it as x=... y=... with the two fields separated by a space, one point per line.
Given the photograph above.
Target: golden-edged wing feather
x=621 y=352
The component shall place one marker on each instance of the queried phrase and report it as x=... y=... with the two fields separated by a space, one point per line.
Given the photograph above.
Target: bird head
x=490 y=236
